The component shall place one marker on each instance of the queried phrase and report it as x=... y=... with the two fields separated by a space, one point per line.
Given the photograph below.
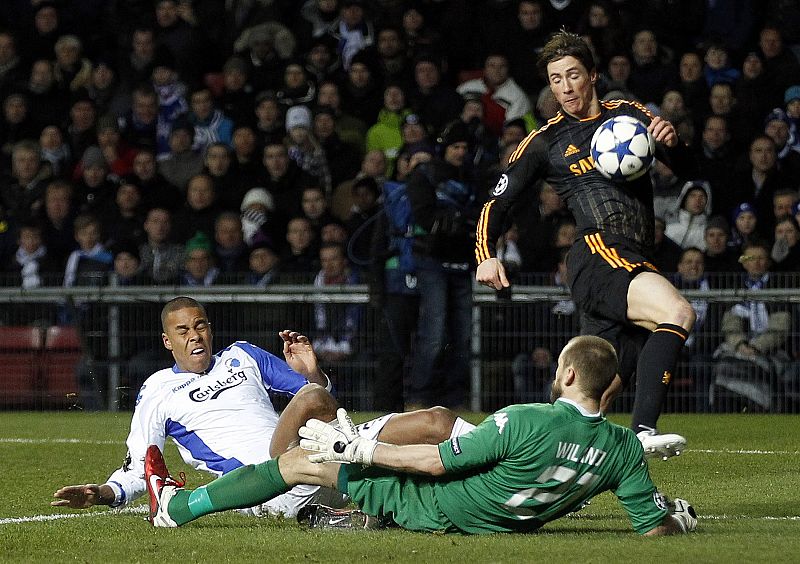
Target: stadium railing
x=92 y=347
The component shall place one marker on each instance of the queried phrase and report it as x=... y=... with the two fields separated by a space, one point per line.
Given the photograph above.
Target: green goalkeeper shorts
x=409 y=500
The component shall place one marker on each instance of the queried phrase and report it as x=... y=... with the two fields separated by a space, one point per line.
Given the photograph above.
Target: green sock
x=244 y=487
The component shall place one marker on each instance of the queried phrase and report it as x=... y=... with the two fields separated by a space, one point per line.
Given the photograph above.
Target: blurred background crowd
x=194 y=143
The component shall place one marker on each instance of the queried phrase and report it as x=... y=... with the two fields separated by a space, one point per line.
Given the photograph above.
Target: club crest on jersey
x=500 y=419
x=232 y=363
x=501 y=186
x=212 y=391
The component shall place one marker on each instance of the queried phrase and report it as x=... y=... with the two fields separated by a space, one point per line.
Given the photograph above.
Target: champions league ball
x=622 y=148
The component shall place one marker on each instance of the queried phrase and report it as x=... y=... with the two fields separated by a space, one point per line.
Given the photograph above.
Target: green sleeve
x=645 y=506
x=485 y=444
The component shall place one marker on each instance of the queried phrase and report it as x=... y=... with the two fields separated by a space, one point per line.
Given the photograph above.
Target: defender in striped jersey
x=522 y=467
x=622 y=296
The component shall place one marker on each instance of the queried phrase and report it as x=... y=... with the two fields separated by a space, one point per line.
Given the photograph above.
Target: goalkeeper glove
x=336 y=445
x=684 y=514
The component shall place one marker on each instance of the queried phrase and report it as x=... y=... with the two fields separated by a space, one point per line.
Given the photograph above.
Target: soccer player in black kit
x=622 y=296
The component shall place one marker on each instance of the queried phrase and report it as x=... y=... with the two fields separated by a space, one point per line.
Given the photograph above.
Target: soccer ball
x=622 y=148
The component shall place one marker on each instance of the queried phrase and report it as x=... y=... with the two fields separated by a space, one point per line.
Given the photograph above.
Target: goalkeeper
x=520 y=468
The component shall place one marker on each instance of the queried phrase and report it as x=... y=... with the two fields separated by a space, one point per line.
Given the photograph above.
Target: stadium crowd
x=192 y=143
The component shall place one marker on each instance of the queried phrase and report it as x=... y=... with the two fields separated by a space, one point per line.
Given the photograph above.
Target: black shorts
x=600 y=269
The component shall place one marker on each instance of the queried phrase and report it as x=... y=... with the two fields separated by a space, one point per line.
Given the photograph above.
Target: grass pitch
x=740 y=473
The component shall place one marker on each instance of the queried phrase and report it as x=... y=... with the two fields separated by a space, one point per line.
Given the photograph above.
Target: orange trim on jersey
x=525 y=142
x=613 y=104
x=481 y=248
x=681 y=335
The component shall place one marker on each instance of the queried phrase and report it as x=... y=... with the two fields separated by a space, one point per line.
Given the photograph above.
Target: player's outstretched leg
x=172 y=506
x=655 y=303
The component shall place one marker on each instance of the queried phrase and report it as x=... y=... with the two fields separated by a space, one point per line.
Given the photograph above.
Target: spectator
x=21 y=192
x=32 y=266
x=296 y=88
x=156 y=191
x=343 y=158
x=722 y=103
x=316 y=17
x=181 y=163
x=351 y=31
x=54 y=151
x=57 y=216
x=687 y=225
x=320 y=61
x=125 y=217
x=349 y=127
x=719 y=257
x=230 y=252
x=264 y=263
x=246 y=161
x=160 y=258
x=718 y=66
x=786 y=250
x=127 y=265
x=443 y=261
x=198 y=265
x=139 y=126
x=336 y=325
x=314 y=206
x=16 y=126
x=692 y=84
x=265 y=47
x=781 y=67
x=81 y=132
x=716 y=161
x=137 y=66
x=537 y=226
x=177 y=29
x=699 y=346
x=257 y=217
x=269 y=120
x=791 y=100
x=390 y=51
x=210 y=125
x=199 y=211
x=228 y=186
x=94 y=191
x=373 y=165
x=47 y=104
x=116 y=152
x=758 y=180
x=301 y=259
x=385 y=135
x=418 y=35
x=366 y=204
x=12 y=70
x=666 y=252
x=526 y=36
x=72 y=71
x=651 y=75
x=361 y=90
x=304 y=148
x=435 y=103
x=745 y=226
x=754 y=331
x=778 y=127
x=783 y=202
x=171 y=98
x=502 y=98
x=750 y=94
x=282 y=178
x=237 y=98
x=91 y=261
x=110 y=98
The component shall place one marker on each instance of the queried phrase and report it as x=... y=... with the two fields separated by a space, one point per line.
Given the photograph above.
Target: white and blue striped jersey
x=220 y=420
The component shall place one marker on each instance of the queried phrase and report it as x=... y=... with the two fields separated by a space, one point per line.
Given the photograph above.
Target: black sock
x=654 y=371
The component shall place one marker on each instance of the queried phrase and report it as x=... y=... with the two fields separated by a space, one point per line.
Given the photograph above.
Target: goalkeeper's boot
x=657 y=445
x=319 y=516
x=161 y=487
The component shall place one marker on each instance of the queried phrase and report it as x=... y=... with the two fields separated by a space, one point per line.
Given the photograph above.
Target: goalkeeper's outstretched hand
x=336 y=445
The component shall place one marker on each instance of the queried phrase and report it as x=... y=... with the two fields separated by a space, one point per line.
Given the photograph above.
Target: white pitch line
x=57 y=441
x=56 y=516
x=743 y=451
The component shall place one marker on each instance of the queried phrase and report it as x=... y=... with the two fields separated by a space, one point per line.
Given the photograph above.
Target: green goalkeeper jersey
x=528 y=464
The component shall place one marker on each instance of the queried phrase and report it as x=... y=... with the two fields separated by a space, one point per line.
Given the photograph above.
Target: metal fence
x=91 y=348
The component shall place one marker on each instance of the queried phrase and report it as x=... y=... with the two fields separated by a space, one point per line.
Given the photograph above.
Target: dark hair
x=181 y=302
x=565 y=44
x=594 y=361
